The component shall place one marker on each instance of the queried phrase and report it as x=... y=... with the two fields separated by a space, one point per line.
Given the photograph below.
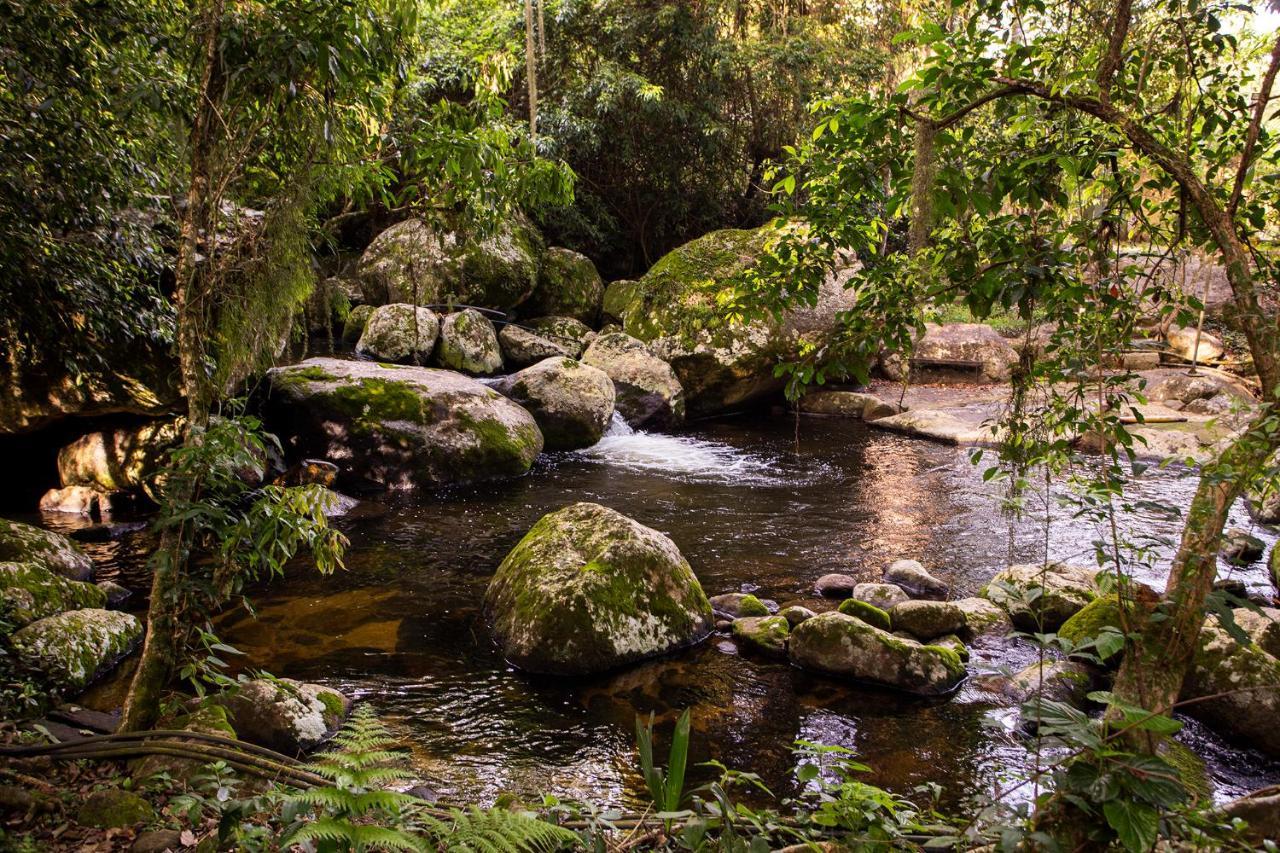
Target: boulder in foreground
x=22 y=543
x=588 y=590
x=400 y=427
x=75 y=648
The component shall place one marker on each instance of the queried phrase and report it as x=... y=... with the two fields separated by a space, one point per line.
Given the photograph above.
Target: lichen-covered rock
x=1241 y=547
x=961 y=343
x=1062 y=590
x=22 y=543
x=915 y=579
x=571 y=333
x=522 y=347
x=795 y=614
x=835 y=585
x=882 y=595
x=1187 y=388
x=411 y=262
x=74 y=648
x=649 y=394
x=618 y=295
x=982 y=616
x=285 y=715
x=469 y=343
x=869 y=613
x=108 y=808
x=842 y=645
x=1238 y=688
x=735 y=605
x=588 y=590
x=353 y=326
x=399 y=333
x=568 y=286
x=926 y=620
x=29 y=591
x=400 y=427
x=1262 y=626
x=571 y=401
x=767 y=634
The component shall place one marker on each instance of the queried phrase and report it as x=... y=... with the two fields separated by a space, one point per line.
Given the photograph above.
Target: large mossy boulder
x=121 y=459
x=29 y=591
x=571 y=401
x=588 y=590
x=75 y=648
x=1236 y=689
x=22 y=543
x=676 y=307
x=648 y=392
x=568 y=286
x=288 y=716
x=842 y=645
x=412 y=262
x=399 y=333
x=469 y=343
x=1041 y=597
x=399 y=427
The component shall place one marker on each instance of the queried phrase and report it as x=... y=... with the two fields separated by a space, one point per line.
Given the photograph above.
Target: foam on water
x=688 y=459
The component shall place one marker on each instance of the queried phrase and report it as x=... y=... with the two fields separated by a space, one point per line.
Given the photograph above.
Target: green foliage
x=476 y=830
x=666 y=789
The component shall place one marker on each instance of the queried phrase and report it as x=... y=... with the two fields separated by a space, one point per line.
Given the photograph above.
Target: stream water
x=752 y=510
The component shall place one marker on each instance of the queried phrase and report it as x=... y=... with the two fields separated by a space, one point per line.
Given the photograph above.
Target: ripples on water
x=752 y=511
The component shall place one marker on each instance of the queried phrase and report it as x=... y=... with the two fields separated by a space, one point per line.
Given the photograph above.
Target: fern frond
x=499 y=831
x=350 y=803
x=353 y=836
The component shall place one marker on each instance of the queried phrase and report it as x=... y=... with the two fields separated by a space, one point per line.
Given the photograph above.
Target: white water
x=685 y=458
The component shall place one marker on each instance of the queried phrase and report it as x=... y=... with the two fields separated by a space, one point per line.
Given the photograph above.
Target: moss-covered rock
x=109 y=808
x=1088 y=622
x=767 y=634
x=619 y=296
x=400 y=427
x=869 y=613
x=842 y=645
x=926 y=620
x=571 y=401
x=795 y=614
x=410 y=259
x=31 y=592
x=1262 y=627
x=568 y=286
x=469 y=343
x=522 y=347
x=1273 y=566
x=983 y=617
x=353 y=326
x=566 y=331
x=735 y=605
x=649 y=394
x=399 y=333
x=882 y=595
x=588 y=590
x=126 y=458
x=285 y=715
x=22 y=543
x=1042 y=597
x=210 y=718
x=74 y=648
x=1237 y=687
x=953 y=642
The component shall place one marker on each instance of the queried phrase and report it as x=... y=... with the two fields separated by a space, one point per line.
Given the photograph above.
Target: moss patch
x=868 y=613
x=113 y=807
x=32 y=592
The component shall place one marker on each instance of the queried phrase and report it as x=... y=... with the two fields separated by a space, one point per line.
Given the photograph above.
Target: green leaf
x=1135 y=825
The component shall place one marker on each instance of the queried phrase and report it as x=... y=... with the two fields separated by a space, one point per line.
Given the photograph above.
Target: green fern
x=355 y=813
x=497 y=831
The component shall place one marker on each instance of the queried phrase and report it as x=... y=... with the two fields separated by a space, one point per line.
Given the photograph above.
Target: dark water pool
x=752 y=511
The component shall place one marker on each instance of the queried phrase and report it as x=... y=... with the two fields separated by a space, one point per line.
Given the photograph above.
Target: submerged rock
x=469 y=343
x=912 y=577
x=842 y=645
x=926 y=620
x=588 y=590
x=75 y=648
x=30 y=591
x=522 y=347
x=568 y=286
x=649 y=394
x=767 y=634
x=412 y=262
x=285 y=715
x=1042 y=597
x=571 y=401
x=400 y=427
x=399 y=333
x=22 y=543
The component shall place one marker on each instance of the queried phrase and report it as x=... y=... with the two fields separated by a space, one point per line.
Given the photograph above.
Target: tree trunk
x=164 y=627
x=531 y=69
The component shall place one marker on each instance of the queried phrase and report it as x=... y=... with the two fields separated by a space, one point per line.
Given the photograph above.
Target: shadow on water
x=402 y=626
